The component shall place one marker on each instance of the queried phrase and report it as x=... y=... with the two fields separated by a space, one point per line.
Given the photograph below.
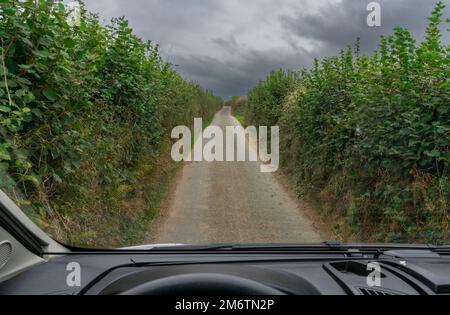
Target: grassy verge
x=112 y=216
x=240 y=118
x=239 y=106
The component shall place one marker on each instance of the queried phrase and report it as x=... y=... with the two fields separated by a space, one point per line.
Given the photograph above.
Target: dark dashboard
x=400 y=272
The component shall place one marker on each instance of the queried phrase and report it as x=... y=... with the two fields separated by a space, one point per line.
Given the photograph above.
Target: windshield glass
x=125 y=123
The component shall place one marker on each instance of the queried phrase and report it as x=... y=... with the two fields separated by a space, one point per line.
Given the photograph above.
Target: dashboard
x=395 y=272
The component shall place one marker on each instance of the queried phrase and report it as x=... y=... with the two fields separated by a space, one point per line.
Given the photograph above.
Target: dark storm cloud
x=343 y=22
x=229 y=45
x=228 y=78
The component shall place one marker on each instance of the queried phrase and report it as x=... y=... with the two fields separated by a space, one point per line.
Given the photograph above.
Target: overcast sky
x=229 y=45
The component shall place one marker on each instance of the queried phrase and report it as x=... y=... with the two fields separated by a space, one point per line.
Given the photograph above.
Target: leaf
x=433 y=154
x=30 y=97
x=20 y=93
x=41 y=53
x=27 y=42
x=50 y=94
x=57 y=178
x=4 y=154
x=31 y=178
x=5 y=109
x=11 y=84
x=24 y=81
x=25 y=67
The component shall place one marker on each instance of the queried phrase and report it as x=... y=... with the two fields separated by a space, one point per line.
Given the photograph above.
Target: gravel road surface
x=222 y=202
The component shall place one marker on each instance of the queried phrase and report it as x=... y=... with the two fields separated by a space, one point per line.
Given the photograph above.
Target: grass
x=157 y=178
x=112 y=216
x=240 y=118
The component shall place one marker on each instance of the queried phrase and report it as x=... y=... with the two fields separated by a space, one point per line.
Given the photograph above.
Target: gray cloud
x=229 y=45
x=343 y=22
x=228 y=78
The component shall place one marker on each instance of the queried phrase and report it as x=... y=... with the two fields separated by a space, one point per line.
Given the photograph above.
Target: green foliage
x=372 y=133
x=240 y=109
x=80 y=106
x=267 y=98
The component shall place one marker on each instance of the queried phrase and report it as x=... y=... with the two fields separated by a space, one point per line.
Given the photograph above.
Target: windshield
x=125 y=123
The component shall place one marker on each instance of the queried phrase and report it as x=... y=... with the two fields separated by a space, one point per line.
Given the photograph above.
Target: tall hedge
x=369 y=135
x=81 y=106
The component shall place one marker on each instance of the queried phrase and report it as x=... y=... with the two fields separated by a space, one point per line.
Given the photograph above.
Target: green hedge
x=81 y=106
x=369 y=135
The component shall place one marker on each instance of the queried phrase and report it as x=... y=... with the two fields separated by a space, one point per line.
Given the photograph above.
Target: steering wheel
x=203 y=284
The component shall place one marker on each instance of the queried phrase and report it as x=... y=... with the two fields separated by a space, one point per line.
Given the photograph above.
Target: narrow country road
x=221 y=202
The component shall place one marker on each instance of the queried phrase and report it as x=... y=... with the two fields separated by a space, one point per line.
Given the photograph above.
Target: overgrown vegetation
x=369 y=136
x=85 y=116
x=238 y=105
